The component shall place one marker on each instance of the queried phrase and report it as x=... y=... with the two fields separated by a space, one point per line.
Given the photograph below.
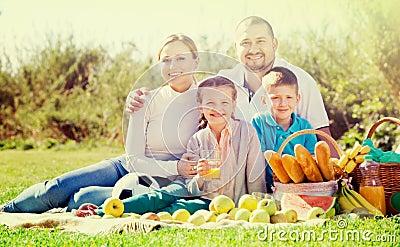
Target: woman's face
x=177 y=59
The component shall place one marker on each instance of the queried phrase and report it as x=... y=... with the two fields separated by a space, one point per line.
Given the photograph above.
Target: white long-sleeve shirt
x=159 y=132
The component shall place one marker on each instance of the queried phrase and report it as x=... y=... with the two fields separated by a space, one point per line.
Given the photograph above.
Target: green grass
x=23 y=168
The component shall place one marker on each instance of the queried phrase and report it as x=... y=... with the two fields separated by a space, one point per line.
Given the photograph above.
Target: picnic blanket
x=70 y=223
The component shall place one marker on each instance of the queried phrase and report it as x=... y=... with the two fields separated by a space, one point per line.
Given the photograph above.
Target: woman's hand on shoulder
x=187 y=165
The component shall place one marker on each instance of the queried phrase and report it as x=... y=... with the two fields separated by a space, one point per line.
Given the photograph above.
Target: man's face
x=255 y=47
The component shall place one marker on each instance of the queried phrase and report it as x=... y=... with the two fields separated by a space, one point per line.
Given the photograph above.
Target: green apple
x=150 y=216
x=233 y=212
x=243 y=214
x=223 y=216
x=259 y=215
x=248 y=201
x=197 y=219
x=223 y=204
x=113 y=206
x=315 y=213
x=268 y=205
x=211 y=216
x=288 y=216
x=330 y=213
x=181 y=215
x=211 y=206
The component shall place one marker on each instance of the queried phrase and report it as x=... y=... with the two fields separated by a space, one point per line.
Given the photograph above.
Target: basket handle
x=310 y=131
x=379 y=122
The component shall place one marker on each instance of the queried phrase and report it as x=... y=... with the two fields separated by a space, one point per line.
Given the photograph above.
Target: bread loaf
x=323 y=155
x=275 y=163
x=293 y=168
x=307 y=163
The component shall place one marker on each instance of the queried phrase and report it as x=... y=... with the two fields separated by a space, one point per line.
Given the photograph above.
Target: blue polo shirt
x=272 y=135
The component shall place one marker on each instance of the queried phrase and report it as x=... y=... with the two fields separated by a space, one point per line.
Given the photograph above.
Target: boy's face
x=284 y=99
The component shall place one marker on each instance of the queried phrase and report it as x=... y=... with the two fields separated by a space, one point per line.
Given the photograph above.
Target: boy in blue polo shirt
x=282 y=94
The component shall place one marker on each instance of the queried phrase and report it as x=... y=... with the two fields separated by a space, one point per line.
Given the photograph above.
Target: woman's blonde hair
x=179 y=37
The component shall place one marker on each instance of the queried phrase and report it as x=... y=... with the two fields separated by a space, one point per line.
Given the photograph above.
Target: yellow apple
x=259 y=215
x=150 y=216
x=223 y=204
x=211 y=216
x=211 y=206
x=113 y=206
x=248 y=201
x=223 y=216
x=291 y=215
x=181 y=215
x=202 y=212
x=243 y=214
x=108 y=216
x=197 y=219
x=268 y=205
x=233 y=212
x=164 y=216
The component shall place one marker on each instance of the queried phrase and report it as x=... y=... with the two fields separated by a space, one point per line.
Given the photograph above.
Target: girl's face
x=284 y=100
x=217 y=105
x=177 y=59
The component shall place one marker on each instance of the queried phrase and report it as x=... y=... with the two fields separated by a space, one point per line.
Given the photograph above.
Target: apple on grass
x=164 y=216
x=243 y=214
x=223 y=216
x=222 y=204
x=315 y=213
x=113 y=206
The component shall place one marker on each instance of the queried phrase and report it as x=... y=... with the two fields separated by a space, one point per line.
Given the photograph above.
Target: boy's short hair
x=279 y=76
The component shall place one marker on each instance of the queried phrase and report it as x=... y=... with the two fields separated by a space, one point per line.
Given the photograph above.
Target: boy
x=282 y=92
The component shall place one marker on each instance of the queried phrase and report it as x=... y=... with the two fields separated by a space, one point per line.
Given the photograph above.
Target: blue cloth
x=169 y=198
x=66 y=189
x=272 y=135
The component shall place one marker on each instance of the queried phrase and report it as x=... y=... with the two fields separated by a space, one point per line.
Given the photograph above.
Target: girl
x=242 y=169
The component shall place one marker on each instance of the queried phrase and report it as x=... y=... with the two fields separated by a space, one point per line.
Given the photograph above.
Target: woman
x=94 y=184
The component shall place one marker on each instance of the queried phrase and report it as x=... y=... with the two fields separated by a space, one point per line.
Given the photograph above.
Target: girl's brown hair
x=179 y=37
x=217 y=81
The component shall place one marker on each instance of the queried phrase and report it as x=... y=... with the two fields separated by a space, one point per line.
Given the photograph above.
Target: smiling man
x=255 y=46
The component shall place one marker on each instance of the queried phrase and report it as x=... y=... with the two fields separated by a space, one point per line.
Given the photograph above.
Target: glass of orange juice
x=213 y=158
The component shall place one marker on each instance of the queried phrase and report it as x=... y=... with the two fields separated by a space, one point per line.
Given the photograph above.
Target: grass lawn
x=23 y=168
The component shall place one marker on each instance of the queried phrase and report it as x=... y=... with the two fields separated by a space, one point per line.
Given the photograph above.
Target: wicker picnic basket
x=389 y=173
x=327 y=188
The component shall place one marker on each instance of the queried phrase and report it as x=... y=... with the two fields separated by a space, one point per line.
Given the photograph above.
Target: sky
x=27 y=23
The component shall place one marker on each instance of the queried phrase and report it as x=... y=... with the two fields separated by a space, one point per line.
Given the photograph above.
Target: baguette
x=307 y=163
x=293 y=168
x=275 y=163
x=323 y=155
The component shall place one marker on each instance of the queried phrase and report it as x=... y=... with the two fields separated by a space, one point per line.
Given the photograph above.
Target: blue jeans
x=92 y=184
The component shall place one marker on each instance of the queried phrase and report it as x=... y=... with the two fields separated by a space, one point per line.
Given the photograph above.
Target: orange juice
x=374 y=195
x=214 y=170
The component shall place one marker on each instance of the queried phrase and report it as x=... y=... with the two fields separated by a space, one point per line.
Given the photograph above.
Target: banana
x=365 y=150
x=349 y=197
x=356 y=149
x=350 y=166
x=359 y=158
x=345 y=204
x=363 y=202
x=343 y=160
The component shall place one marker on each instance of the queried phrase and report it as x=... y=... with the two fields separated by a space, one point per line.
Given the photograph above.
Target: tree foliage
x=65 y=92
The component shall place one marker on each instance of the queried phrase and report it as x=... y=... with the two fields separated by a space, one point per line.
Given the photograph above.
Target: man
x=255 y=46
